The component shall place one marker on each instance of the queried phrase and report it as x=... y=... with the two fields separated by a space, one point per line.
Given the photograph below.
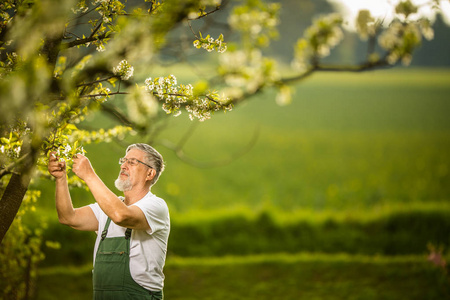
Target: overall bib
x=111 y=276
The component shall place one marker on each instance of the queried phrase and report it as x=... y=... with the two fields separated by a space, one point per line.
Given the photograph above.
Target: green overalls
x=111 y=276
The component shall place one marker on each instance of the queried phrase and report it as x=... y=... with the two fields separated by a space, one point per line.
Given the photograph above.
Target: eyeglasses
x=132 y=162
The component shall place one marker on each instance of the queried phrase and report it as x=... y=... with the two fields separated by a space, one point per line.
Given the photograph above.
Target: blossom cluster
x=108 y=11
x=400 y=40
x=284 y=95
x=202 y=108
x=366 y=26
x=404 y=35
x=175 y=96
x=61 y=143
x=66 y=142
x=109 y=8
x=11 y=146
x=324 y=34
x=256 y=22
x=166 y=88
x=124 y=70
x=141 y=105
x=11 y=151
x=81 y=6
x=246 y=72
x=102 y=135
x=210 y=44
x=406 y=8
x=65 y=152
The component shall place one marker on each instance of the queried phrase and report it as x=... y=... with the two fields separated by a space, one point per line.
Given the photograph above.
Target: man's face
x=131 y=176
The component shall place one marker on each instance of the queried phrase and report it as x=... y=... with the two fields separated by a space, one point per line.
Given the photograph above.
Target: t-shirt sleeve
x=95 y=209
x=156 y=213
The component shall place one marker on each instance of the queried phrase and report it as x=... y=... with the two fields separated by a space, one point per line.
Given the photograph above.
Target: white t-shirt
x=147 y=248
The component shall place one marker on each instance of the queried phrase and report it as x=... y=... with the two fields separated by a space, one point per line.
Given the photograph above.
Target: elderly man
x=133 y=230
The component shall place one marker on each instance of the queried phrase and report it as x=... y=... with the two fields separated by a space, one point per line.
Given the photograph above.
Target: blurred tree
x=63 y=60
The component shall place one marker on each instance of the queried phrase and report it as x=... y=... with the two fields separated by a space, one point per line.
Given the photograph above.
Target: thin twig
x=96 y=81
x=85 y=40
x=103 y=95
x=206 y=14
x=85 y=13
x=96 y=29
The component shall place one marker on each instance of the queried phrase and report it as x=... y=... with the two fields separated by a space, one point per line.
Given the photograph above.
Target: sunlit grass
x=279 y=276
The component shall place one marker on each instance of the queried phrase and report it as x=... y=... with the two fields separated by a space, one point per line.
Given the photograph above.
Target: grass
x=279 y=276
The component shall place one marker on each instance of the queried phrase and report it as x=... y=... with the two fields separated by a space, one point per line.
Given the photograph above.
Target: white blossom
x=124 y=70
x=67 y=149
x=17 y=150
x=100 y=48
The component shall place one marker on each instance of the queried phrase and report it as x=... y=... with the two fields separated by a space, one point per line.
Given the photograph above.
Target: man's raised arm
x=82 y=218
x=121 y=214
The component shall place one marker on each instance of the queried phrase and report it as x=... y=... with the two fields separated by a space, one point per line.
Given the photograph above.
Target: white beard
x=123 y=185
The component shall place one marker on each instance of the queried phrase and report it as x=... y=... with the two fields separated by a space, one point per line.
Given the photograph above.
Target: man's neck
x=135 y=195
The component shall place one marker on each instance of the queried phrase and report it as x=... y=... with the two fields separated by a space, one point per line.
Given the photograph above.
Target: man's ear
x=151 y=174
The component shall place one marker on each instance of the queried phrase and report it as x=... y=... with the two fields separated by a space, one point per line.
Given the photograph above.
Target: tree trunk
x=11 y=200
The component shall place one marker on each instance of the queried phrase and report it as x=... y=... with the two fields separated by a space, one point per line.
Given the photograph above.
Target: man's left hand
x=82 y=167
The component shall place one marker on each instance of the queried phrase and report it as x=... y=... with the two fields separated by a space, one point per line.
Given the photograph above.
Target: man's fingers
x=57 y=167
x=53 y=156
x=78 y=156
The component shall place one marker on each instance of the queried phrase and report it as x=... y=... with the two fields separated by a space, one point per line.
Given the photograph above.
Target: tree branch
x=96 y=29
x=337 y=68
x=84 y=41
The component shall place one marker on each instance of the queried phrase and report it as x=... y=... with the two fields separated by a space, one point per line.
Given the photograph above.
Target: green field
x=287 y=277
x=357 y=164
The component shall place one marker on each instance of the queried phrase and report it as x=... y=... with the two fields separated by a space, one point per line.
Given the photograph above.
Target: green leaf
x=71 y=126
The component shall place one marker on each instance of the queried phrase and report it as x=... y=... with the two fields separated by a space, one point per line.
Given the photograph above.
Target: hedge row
x=399 y=233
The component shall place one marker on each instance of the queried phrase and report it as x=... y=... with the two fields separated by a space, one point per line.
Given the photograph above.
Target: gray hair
x=152 y=157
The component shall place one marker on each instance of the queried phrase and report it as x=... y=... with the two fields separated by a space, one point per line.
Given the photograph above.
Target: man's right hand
x=56 y=168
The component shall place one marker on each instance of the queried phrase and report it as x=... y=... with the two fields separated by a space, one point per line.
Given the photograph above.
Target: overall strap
x=128 y=233
x=105 y=230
